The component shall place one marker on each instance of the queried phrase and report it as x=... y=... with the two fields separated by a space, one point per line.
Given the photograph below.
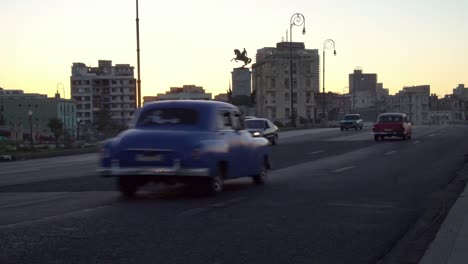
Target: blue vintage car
x=188 y=141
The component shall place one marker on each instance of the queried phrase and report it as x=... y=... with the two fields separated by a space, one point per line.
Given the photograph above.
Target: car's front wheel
x=215 y=184
x=274 y=141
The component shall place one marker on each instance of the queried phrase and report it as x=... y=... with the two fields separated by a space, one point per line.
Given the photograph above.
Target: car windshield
x=390 y=119
x=255 y=124
x=168 y=116
x=351 y=117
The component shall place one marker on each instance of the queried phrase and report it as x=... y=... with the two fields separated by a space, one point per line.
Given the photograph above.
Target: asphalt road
x=332 y=197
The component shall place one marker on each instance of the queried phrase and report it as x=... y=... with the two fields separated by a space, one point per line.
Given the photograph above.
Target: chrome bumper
x=154 y=171
x=389 y=133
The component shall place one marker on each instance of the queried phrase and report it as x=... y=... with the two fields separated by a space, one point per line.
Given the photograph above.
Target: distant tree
x=106 y=126
x=56 y=127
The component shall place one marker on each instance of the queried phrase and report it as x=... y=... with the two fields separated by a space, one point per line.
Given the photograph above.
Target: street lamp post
x=138 y=57
x=327 y=44
x=30 y=128
x=296 y=20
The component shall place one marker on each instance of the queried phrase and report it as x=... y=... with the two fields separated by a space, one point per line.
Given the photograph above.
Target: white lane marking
x=194 y=211
x=416 y=142
x=431 y=135
x=17 y=171
x=370 y=206
x=390 y=152
x=343 y=169
x=316 y=152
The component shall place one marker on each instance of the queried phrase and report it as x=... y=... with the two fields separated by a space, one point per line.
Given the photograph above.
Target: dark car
x=262 y=127
x=392 y=125
x=198 y=142
x=351 y=121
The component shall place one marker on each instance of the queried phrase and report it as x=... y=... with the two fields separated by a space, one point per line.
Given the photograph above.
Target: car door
x=243 y=149
x=230 y=133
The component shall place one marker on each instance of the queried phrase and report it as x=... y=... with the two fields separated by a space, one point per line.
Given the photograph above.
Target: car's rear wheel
x=376 y=138
x=404 y=137
x=127 y=186
x=341 y=128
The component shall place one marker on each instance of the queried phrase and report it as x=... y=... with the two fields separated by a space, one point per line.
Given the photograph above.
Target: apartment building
x=105 y=87
x=414 y=101
x=271 y=81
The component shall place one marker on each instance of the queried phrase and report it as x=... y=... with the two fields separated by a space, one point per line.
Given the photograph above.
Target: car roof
x=257 y=118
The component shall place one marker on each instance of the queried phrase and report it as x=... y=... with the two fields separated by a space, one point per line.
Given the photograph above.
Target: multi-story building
x=271 y=81
x=222 y=97
x=414 y=101
x=186 y=92
x=363 y=89
x=22 y=112
x=103 y=88
x=461 y=91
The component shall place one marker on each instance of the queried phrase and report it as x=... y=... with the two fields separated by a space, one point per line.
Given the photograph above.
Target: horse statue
x=242 y=57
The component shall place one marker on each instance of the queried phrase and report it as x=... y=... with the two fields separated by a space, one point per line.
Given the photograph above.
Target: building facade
x=103 y=88
x=186 y=92
x=363 y=89
x=413 y=101
x=25 y=112
x=271 y=82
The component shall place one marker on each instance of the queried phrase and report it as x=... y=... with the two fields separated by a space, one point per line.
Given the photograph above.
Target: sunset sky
x=191 y=42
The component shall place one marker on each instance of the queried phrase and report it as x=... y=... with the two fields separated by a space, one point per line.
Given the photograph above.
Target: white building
x=105 y=87
x=271 y=82
x=413 y=101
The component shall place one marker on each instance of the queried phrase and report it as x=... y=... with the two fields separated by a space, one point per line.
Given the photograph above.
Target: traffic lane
x=26 y=173
x=245 y=225
x=317 y=208
x=47 y=162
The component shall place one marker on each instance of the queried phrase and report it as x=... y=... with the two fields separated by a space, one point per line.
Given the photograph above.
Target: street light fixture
x=30 y=113
x=138 y=93
x=297 y=19
x=327 y=44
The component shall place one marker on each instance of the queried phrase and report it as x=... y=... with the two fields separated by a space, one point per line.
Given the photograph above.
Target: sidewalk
x=450 y=245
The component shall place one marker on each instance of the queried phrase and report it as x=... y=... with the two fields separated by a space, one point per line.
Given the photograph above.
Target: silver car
x=262 y=127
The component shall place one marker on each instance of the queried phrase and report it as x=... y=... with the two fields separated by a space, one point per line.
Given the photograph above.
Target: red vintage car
x=392 y=125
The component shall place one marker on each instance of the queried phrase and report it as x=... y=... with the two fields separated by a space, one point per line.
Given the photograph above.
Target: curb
x=51 y=154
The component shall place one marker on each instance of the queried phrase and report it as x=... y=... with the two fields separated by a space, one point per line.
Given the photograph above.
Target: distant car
x=262 y=127
x=351 y=121
x=189 y=141
x=392 y=125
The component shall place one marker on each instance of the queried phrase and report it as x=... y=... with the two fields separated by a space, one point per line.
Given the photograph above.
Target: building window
x=114 y=82
x=308 y=82
x=294 y=83
x=286 y=83
x=308 y=97
x=294 y=98
x=309 y=112
x=294 y=68
x=286 y=97
x=272 y=83
x=287 y=112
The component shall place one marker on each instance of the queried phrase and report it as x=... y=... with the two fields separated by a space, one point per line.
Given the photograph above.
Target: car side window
x=266 y=125
x=237 y=121
x=224 y=120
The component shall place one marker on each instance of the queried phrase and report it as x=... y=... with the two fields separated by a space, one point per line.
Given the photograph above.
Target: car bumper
x=154 y=171
x=392 y=133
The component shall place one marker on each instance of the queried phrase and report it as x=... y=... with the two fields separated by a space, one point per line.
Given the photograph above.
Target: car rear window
x=168 y=116
x=390 y=119
x=254 y=124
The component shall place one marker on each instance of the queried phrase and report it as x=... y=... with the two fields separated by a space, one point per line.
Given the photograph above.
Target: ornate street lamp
x=296 y=20
x=327 y=44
